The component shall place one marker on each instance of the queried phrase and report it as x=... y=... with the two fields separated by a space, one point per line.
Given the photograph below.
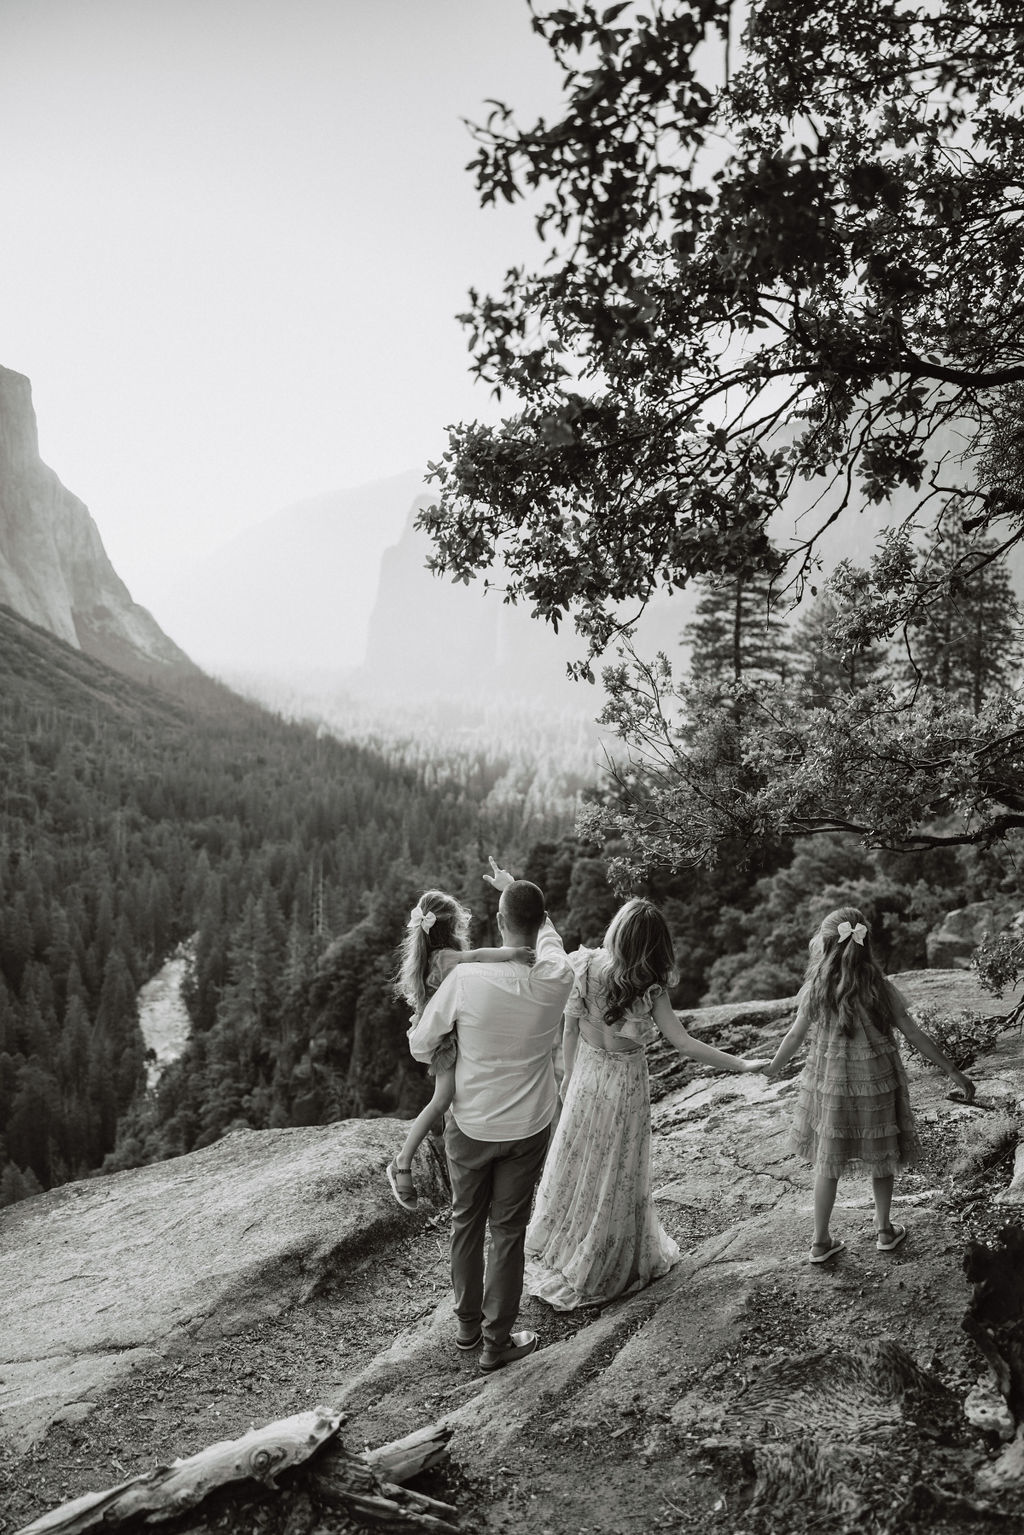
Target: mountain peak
x=54 y=570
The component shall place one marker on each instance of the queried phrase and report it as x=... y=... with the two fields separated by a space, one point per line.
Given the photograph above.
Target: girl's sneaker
x=402 y=1186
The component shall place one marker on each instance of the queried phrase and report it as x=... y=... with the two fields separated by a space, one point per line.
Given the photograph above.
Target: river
x=162 y=1016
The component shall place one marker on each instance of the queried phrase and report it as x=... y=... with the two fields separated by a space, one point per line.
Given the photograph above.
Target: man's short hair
x=523 y=905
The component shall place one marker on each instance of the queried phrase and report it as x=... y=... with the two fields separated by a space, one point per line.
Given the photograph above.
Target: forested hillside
x=130 y=819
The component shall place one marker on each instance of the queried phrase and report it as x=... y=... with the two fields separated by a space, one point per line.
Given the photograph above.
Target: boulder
x=101 y=1277
x=951 y=945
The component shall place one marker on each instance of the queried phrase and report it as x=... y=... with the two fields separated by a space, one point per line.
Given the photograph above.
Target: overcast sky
x=236 y=233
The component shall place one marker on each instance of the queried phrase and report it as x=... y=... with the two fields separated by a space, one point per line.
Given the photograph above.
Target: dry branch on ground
x=364 y=1485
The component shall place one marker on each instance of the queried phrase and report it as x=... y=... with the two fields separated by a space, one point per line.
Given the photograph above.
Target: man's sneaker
x=518 y=1346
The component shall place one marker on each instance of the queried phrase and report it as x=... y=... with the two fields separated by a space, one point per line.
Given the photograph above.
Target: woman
x=594 y=1234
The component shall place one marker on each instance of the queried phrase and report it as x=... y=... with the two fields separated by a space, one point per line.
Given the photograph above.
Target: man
x=507 y=1018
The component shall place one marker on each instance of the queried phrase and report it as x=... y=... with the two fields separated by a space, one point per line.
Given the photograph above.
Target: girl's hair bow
x=858 y=933
x=420 y=920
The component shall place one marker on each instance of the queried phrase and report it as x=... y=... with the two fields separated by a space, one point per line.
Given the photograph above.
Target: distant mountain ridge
x=293 y=593
x=54 y=570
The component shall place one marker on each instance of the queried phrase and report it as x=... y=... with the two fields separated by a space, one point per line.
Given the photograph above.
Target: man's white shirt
x=507 y=1018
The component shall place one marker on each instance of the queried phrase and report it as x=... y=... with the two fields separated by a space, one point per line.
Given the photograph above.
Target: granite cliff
x=54 y=570
x=153 y=1312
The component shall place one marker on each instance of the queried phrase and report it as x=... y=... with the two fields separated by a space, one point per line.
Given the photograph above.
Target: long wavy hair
x=450 y=930
x=639 y=946
x=843 y=983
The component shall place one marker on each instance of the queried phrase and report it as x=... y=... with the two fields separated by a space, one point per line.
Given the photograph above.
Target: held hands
x=499 y=878
x=756 y=1066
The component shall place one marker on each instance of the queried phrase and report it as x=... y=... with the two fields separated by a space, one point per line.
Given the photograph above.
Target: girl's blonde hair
x=639 y=946
x=843 y=983
x=448 y=930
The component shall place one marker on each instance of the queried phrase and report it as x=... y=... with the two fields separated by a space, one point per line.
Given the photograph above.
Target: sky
x=236 y=235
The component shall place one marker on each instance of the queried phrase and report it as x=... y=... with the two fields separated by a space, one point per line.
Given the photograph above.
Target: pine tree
x=16 y=1184
x=736 y=634
x=967 y=642
x=822 y=671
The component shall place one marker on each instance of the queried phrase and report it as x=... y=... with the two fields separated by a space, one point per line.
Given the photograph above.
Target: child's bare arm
x=926 y=1046
x=790 y=1043
x=696 y=1049
x=518 y=954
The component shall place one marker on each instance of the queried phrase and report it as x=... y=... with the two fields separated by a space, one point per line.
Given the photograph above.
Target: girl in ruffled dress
x=853 y=1105
x=436 y=940
x=594 y=1234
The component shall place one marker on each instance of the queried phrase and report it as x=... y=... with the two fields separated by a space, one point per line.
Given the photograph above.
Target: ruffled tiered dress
x=444 y=1057
x=594 y=1234
x=853 y=1105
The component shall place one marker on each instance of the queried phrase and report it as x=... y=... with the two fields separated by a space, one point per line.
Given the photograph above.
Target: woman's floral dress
x=594 y=1234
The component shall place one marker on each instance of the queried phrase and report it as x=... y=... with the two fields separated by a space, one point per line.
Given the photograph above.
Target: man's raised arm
x=549 y=949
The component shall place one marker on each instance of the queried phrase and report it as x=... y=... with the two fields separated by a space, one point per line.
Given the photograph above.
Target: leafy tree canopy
x=779 y=266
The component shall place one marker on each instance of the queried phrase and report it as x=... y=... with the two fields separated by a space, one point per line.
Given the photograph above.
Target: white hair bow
x=419 y=919
x=858 y=933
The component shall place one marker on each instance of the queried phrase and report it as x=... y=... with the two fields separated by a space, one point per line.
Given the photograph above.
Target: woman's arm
x=696 y=1049
x=926 y=1045
x=570 y=1039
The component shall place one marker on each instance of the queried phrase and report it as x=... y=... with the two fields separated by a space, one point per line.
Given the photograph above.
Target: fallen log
x=365 y=1485
x=402 y=1459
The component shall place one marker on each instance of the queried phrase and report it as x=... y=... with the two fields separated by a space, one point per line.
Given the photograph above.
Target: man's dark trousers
x=492 y=1184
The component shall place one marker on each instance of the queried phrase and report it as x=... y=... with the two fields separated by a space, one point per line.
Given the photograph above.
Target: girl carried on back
x=853 y=1105
x=436 y=940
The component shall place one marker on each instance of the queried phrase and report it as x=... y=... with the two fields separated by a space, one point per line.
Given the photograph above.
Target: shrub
x=962 y=1036
x=983 y=1142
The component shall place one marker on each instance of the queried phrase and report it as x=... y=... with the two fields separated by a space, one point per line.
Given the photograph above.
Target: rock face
x=97 y=1278
x=54 y=570
x=953 y=942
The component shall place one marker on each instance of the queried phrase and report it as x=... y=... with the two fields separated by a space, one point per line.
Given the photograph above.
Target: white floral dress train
x=594 y=1234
